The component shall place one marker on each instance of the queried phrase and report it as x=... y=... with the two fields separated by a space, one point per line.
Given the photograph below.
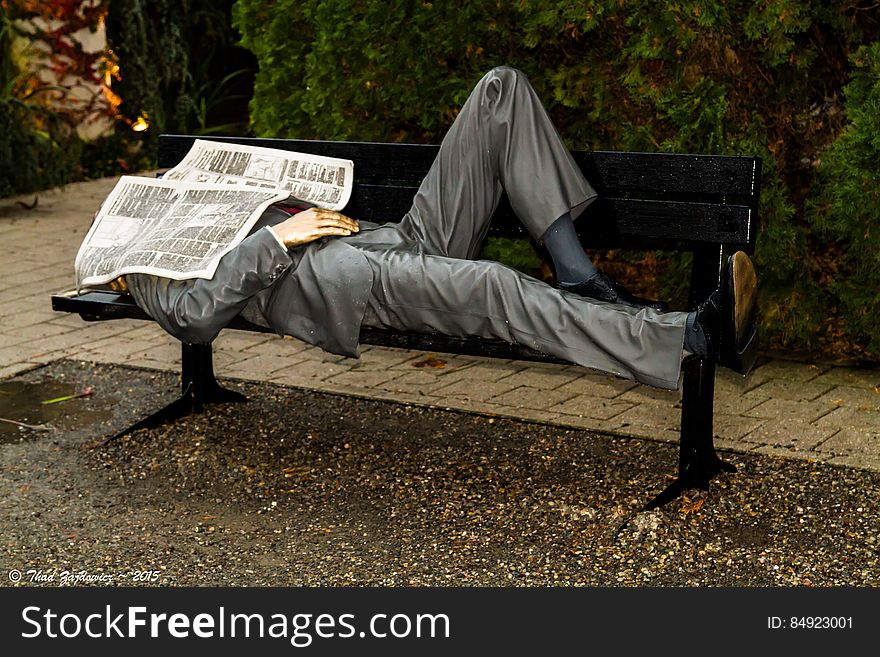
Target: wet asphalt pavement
x=302 y=488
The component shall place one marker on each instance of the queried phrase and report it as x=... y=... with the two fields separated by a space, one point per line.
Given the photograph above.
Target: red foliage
x=64 y=58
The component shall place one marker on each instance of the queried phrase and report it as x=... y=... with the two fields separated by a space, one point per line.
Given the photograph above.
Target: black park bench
x=704 y=204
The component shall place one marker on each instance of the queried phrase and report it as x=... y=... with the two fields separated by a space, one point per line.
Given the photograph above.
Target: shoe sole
x=745 y=292
x=742 y=346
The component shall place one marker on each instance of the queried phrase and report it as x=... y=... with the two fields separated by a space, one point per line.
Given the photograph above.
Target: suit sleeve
x=196 y=310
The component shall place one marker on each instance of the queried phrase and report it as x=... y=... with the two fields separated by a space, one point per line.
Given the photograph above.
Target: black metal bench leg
x=198 y=386
x=697 y=462
x=197 y=371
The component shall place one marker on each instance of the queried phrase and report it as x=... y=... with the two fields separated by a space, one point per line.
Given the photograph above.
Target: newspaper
x=181 y=225
x=324 y=181
x=167 y=228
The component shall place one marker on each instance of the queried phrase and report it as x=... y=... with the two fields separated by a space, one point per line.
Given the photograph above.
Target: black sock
x=573 y=265
x=694 y=336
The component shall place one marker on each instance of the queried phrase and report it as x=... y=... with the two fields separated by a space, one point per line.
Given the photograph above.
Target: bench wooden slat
x=377 y=163
x=380 y=203
x=673 y=221
x=615 y=173
x=610 y=172
x=653 y=223
x=99 y=305
x=96 y=305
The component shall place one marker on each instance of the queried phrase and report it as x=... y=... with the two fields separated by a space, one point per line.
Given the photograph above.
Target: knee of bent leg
x=499 y=81
x=507 y=73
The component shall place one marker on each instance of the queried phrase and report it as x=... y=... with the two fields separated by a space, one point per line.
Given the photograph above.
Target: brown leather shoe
x=744 y=291
x=728 y=316
x=739 y=338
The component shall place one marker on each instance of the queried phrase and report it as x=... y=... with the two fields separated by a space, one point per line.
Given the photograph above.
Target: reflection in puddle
x=21 y=402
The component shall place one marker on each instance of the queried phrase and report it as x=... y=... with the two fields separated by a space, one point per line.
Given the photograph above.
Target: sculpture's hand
x=313 y=224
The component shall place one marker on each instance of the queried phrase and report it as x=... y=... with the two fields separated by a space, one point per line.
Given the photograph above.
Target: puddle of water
x=22 y=401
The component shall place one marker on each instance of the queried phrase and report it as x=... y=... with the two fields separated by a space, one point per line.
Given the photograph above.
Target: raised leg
x=502 y=139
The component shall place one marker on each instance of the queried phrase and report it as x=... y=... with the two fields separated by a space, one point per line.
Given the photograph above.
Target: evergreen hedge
x=844 y=211
x=705 y=76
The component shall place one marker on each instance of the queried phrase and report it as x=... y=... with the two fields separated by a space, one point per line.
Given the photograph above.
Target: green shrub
x=36 y=149
x=387 y=71
x=846 y=211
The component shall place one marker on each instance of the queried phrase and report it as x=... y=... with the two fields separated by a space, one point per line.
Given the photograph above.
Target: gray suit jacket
x=317 y=292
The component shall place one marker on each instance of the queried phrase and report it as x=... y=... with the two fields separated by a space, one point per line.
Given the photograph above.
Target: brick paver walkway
x=814 y=411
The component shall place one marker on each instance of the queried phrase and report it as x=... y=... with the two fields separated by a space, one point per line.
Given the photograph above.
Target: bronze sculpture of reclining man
x=320 y=276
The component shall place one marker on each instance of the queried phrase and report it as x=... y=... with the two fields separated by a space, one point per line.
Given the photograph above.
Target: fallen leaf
x=430 y=361
x=692 y=507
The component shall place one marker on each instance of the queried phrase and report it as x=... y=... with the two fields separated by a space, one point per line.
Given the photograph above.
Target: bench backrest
x=703 y=203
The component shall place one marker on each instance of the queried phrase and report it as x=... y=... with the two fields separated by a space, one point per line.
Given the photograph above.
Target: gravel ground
x=301 y=488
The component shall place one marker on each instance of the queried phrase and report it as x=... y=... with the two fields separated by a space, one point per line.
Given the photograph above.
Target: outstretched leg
x=427 y=293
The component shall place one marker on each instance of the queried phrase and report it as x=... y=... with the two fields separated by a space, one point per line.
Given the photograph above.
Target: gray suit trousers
x=418 y=274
